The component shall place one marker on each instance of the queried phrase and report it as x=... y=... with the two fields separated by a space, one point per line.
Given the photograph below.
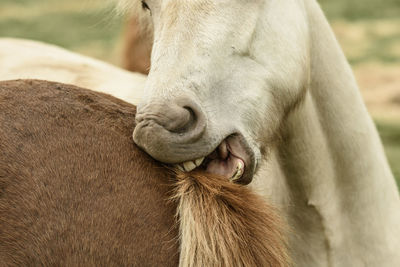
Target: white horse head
x=229 y=79
x=224 y=74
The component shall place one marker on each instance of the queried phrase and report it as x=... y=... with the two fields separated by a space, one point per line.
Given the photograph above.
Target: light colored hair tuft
x=226 y=224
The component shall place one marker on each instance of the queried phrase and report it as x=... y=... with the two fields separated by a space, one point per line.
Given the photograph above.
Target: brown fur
x=75 y=190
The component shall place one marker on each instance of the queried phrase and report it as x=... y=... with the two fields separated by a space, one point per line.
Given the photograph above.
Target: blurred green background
x=368 y=30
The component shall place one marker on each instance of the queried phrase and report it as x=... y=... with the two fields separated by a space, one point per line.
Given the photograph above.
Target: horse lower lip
x=231 y=167
x=231 y=159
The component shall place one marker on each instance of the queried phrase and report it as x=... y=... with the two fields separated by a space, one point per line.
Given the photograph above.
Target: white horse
x=25 y=59
x=262 y=89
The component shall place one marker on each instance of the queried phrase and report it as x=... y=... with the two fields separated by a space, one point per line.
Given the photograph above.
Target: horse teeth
x=180 y=167
x=239 y=171
x=199 y=161
x=189 y=166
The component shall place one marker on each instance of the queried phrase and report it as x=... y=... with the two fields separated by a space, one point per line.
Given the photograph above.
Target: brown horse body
x=75 y=190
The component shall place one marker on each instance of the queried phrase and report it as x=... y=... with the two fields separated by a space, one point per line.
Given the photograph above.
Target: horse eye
x=144 y=5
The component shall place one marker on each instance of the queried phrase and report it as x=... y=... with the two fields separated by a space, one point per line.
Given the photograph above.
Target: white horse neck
x=343 y=204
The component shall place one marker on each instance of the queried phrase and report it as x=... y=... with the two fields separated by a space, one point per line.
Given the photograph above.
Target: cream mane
x=226 y=224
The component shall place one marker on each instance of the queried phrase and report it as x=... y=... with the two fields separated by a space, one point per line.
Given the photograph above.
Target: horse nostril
x=162 y=122
x=190 y=122
x=165 y=129
x=173 y=117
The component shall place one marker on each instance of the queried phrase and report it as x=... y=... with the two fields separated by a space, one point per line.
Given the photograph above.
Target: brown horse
x=75 y=190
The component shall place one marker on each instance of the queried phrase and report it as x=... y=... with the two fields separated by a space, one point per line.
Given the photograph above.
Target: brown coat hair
x=75 y=190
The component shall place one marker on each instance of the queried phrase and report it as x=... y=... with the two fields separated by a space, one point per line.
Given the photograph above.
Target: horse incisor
x=75 y=190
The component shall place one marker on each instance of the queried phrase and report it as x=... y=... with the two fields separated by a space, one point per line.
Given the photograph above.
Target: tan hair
x=226 y=224
x=137 y=44
x=137 y=36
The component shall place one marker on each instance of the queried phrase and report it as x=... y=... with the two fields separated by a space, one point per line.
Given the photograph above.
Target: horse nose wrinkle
x=165 y=127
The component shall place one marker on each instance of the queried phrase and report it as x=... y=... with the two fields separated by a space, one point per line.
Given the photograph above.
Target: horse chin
x=233 y=158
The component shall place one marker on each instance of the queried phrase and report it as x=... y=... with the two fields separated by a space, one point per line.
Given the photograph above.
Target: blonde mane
x=226 y=224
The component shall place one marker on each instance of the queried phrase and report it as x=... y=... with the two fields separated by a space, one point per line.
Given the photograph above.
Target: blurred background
x=368 y=31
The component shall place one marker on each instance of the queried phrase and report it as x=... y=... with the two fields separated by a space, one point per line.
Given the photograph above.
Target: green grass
x=361 y=9
x=89 y=27
x=390 y=134
x=378 y=49
x=18 y=2
x=78 y=29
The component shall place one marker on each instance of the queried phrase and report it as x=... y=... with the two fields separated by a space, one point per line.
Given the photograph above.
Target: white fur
x=272 y=70
x=23 y=59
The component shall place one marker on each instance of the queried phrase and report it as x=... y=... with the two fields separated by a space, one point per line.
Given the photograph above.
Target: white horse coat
x=25 y=59
x=272 y=73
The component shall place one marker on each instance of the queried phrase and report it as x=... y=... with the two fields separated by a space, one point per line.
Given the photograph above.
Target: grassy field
x=86 y=26
x=368 y=30
x=390 y=134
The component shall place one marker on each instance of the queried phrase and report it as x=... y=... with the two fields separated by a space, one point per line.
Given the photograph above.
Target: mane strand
x=226 y=224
